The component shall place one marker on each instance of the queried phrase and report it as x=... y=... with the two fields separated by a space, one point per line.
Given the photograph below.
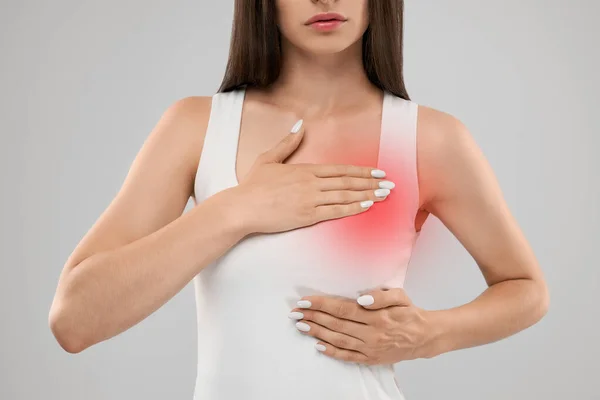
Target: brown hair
x=255 y=50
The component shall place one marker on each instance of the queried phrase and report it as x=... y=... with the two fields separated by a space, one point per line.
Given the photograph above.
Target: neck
x=319 y=85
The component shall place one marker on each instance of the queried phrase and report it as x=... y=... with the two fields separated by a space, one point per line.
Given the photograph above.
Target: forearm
x=500 y=311
x=109 y=292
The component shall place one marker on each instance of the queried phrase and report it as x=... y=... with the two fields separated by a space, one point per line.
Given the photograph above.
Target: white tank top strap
x=216 y=169
x=398 y=149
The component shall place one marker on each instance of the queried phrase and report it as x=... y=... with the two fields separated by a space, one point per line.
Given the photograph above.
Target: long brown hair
x=255 y=50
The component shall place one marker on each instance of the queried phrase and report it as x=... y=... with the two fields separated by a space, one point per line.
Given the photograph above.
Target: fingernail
x=366 y=203
x=377 y=173
x=304 y=304
x=297 y=126
x=302 y=326
x=296 y=315
x=365 y=300
x=320 y=347
x=382 y=192
x=387 y=185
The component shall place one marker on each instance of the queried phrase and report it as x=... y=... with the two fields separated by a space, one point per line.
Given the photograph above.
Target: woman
x=309 y=202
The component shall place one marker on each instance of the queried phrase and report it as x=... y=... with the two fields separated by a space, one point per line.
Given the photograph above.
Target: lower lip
x=326 y=26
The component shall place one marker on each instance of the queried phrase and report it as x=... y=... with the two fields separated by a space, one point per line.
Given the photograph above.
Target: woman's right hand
x=276 y=197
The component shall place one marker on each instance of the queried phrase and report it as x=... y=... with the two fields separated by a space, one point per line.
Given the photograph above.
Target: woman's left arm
x=458 y=186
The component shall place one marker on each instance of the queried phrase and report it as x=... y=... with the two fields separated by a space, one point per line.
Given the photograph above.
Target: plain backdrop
x=83 y=83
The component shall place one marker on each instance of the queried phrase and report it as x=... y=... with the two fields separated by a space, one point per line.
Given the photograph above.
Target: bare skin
x=141 y=251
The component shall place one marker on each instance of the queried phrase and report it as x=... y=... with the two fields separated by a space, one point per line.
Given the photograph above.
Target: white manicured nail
x=377 y=173
x=387 y=185
x=297 y=126
x=366 y=203
x=320 y=347
x=382 y=192
x=304 y=304
x=302 y=326
x=296 y=315
x=365 y=300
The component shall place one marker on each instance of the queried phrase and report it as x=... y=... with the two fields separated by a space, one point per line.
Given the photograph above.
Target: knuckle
x=309 y=214
x=387 y=323
x=368 y=185
x=341 y=342
x=342 y=210
x=345 y=209
x=320 y=214
x=346 y=182
x=342 y=310
x=344 y=197
x=384 y=320
x=380 y=340
x=334 y=211
x=341 y=169
x=329 y=198
x=286 y=140
x=338 y=325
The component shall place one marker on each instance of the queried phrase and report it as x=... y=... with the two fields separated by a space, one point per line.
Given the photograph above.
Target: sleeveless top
x=248 y=348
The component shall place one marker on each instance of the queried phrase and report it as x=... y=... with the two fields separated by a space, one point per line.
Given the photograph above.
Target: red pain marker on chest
x=378 y=235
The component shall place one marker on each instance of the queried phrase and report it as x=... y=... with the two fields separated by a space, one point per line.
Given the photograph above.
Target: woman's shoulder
x=180 y=131
x=437 y=125
x=435 y=128
x=192 y=109
x=446 y=151
x=186 y=119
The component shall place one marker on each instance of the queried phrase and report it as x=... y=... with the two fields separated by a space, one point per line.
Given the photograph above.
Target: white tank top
x=248 y=348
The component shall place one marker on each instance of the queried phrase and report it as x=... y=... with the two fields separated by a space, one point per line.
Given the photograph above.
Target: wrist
x=437 y=338
x=234 y=212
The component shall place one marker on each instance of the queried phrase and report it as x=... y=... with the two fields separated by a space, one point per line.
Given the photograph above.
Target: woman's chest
x=336 y=140
x=306 y=262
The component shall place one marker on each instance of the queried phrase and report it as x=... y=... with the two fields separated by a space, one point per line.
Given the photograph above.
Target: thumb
x=286 y=146
x=382 y=298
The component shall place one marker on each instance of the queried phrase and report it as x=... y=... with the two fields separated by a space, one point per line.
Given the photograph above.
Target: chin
x=322 y=49
x=327 y=45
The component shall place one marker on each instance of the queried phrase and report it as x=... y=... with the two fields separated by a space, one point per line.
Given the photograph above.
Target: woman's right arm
x=142 y=251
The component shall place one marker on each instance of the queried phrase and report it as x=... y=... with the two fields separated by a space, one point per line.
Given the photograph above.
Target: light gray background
x=83 y=83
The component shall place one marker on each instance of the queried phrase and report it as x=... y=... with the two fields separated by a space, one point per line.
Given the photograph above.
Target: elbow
x=542 y=300
x=545 y=303
x=62 y=324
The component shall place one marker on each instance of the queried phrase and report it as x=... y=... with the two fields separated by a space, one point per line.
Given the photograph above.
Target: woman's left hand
x=380 y=327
